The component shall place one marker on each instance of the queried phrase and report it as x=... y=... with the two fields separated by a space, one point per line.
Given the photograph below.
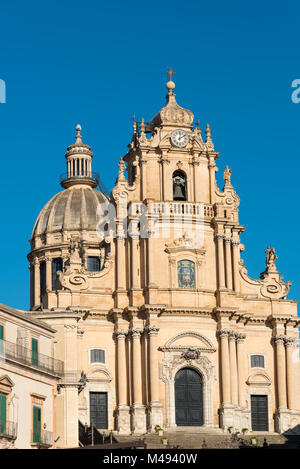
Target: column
x=153 y=362
x=150 y=259
x=233 y=368
x=155 y=407
x=290 y=343
x=136 y=365
x=212 y=184
x=138 y=409
x=121 y=354
x=235 y=262
x=135 y=264
x=240 y=338
x=31 y=269
x=37 y=299
x=48 y=274
x=221 y=273
x=228 y=264
x=225 y=370
x=281 y=371
x=121 y=280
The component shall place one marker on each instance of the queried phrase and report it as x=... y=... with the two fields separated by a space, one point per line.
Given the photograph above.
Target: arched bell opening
x=179 y=185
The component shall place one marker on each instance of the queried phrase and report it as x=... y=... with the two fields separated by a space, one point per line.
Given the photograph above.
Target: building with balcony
x=28 y=381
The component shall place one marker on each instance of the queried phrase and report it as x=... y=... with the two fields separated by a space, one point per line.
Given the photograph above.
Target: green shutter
x=34 y=352
x=2 y=413
x=36 y=424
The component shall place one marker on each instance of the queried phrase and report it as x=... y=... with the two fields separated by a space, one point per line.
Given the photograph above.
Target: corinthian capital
x=279 y=339
x=120 y=334
x=152 y=330
x=135 y=332
x=290 y=342
x=240 y=337
x=223 y=333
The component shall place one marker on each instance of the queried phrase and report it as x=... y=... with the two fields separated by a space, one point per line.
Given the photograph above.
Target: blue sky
x=98 y=63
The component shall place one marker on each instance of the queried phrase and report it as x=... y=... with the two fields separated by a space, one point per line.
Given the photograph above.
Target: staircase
x=215 y=440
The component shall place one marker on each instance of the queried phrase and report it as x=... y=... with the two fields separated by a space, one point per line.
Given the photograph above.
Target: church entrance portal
x=188 y=398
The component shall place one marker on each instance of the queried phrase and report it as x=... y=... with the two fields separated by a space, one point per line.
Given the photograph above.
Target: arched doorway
x=188 y=398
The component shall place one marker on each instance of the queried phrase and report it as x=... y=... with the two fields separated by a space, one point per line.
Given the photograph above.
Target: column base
x=123 y=420
x=138 y=419
x=287 y=421
x=154 y=415
x=235 y=417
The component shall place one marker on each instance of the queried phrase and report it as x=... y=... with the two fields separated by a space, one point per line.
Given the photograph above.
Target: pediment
x=6 y=381
x=99 y=375
x=187 y=339
x=259 y=378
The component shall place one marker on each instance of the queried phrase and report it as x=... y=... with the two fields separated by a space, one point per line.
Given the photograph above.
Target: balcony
x=25 y=356
x=8 y=429
x=41 y=439
x=93 y=179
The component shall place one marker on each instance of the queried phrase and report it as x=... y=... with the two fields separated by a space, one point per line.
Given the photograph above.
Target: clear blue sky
x=98 y=63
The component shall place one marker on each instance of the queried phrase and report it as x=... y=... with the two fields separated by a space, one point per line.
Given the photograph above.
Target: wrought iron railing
x=42 y=438
x=87 y=174
x=24 y=355
x=8 y=429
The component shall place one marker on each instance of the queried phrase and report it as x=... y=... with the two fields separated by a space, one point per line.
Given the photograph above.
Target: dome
x=72 y=209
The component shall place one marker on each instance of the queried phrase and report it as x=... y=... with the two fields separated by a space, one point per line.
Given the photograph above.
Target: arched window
x=42 y=278
x=56 y=266
x=179 y=185
x=93 y=264
x=186 y=274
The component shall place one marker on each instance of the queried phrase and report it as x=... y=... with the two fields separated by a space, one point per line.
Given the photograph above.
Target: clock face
x=179 y=138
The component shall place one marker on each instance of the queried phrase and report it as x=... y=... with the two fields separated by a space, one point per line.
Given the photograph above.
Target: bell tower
x=168 y=158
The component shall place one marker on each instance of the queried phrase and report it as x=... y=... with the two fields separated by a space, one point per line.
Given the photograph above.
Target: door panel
x=188 y=398
x=259 y=413
x=98 y=409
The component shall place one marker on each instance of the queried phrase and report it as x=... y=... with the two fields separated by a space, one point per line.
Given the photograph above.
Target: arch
x=188 y=384
x=179 y=181
x=208 y=346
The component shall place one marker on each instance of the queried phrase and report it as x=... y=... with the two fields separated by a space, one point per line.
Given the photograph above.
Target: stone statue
x=271 y=256
x=227 y=176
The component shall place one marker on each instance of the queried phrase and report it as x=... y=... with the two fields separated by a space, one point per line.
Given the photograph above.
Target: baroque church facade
x=157 y=321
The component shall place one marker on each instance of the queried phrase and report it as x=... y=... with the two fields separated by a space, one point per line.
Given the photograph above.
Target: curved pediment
x=99 y=375
x=187 y=339
x=259 y=378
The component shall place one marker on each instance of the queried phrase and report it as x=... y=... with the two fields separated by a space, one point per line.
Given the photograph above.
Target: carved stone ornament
x=192 y=353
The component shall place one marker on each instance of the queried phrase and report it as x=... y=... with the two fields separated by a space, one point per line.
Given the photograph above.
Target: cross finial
x=170 y=73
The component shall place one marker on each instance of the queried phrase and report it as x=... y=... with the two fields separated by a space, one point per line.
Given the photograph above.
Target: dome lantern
x=79 y=164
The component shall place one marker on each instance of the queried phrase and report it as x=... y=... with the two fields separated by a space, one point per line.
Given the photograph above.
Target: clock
x=179 y=138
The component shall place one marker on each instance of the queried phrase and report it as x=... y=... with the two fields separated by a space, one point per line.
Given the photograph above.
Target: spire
x=172 y=114
x=170 y=84
x=79 y=164
x=209 y=142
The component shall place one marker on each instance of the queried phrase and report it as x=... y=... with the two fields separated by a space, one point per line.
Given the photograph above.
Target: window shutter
x=34 y=352
x=1 y=332
x=2 y=413
x=36 y=424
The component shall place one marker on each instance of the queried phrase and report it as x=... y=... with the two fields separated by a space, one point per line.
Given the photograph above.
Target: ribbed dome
x=72 y=209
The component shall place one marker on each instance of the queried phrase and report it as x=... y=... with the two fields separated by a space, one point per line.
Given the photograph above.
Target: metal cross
x=170 y=73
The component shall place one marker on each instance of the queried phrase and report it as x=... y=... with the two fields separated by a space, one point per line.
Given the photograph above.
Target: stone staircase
x=215 y=439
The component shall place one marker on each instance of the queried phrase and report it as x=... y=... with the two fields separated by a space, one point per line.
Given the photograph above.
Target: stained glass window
x=186 y=274
x=257 y=361
x=97 y=356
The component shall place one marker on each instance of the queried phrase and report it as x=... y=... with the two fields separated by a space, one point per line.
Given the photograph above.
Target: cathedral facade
x=157 y=321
